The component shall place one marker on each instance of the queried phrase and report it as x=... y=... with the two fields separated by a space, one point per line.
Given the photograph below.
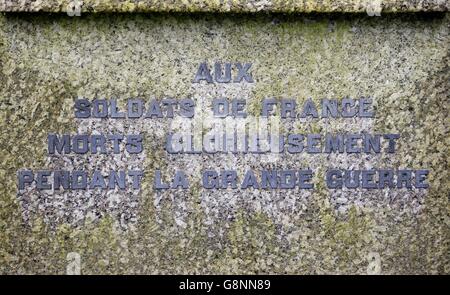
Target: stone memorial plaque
x=224 y=137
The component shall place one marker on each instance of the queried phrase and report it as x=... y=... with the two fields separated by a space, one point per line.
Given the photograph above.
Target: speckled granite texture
x=402 y=61
x=226 y=5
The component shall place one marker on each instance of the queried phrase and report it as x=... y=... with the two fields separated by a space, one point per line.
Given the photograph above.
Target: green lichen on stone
x=401 y=61
x=423 y=121
x=286 y=6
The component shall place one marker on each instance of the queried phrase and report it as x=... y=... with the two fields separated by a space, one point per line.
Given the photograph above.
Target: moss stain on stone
x=326 y=243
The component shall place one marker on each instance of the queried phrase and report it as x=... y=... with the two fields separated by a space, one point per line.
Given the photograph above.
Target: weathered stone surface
x=225 y=5
x=402 y=61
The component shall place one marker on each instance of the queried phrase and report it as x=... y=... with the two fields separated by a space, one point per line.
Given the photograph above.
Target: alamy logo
x=74 y=263
x=74 y=8
x=374 y=7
